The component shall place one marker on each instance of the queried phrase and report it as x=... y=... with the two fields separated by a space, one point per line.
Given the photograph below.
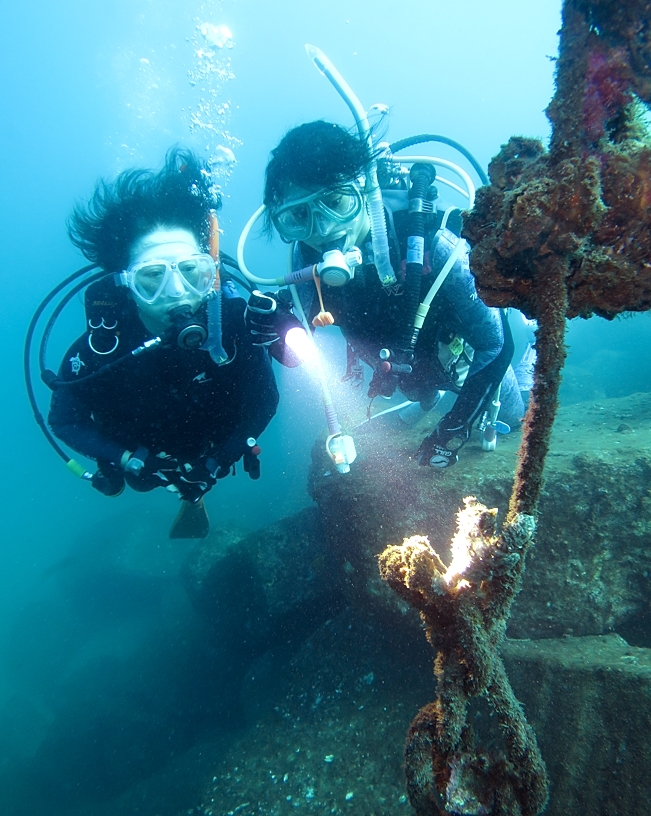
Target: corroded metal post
x=556 y=234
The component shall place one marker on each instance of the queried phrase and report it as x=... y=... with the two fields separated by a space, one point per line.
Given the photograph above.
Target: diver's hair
x=180 y=196
x=315 y=155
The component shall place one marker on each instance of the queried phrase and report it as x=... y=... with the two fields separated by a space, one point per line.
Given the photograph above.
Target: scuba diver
x=418 y=323
x=167 y=387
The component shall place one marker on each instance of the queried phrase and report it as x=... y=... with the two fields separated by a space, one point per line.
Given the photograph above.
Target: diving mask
x=153 y=278
x=318 y=214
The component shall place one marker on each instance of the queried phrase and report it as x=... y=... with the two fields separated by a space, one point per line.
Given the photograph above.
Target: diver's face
x=323 y=219
x=172 y=245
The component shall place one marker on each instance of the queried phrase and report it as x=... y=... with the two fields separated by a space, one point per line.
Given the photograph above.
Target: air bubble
x=218 y=35
x=222 y=156
x=207 y=117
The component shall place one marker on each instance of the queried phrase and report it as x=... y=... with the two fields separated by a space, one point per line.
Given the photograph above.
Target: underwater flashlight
x=298 y=341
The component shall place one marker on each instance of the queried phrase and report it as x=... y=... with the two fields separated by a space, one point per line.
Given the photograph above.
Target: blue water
x=90 y=88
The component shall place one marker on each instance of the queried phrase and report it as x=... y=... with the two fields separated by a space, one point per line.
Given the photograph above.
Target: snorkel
x=339 y=269
x=213 y=344
x=188 y=330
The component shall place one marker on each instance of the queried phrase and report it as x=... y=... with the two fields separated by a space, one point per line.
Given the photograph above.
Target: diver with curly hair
x=166 y=387
x=316 y=196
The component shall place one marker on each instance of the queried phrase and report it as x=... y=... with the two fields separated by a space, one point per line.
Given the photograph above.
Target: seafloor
x=290 y=684
x=326 y=722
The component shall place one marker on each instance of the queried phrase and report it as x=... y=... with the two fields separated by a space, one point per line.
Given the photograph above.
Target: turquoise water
x=91 y=88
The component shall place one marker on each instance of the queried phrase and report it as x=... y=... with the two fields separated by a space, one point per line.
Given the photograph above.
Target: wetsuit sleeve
x=484 y=328
x=71 y=416
x=263 y=403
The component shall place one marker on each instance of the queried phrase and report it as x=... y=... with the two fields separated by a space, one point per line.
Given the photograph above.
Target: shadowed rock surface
x=305 y=654
x=327 y=729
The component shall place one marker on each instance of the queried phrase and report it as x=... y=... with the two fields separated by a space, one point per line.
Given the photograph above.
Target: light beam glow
x=302 y=345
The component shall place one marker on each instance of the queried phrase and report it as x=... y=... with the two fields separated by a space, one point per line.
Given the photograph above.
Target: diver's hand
x=383 y=384
x=440 y=448
x=144 y=471
x=108 y=479
x=260 y=319
x=196 y=478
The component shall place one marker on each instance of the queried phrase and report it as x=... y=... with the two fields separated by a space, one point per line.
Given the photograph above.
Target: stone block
x=589 y=702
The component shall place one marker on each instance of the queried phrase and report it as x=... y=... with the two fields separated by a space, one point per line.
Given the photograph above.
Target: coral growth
x=558 y=233
x=585 y=205
x=464 y=608
x=607 y=83
x=624 y=26
x=565 y=232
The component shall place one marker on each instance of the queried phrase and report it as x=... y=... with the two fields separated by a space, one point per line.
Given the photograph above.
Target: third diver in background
x=315 y=197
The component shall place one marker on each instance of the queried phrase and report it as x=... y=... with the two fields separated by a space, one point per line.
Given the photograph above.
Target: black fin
x=191 y=522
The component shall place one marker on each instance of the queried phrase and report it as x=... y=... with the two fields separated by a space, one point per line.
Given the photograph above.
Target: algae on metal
x=565 y=232
x=464 y=608
x=556 y=234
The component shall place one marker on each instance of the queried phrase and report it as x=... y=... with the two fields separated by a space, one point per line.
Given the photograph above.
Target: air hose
x=73 y=465
x=84 y=279
x=48 y=376
x=428 y=137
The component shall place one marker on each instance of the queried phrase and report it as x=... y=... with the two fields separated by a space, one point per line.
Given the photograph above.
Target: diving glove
x=260 y=319
x=145 y=471
x=196 y=478
x=108 y=479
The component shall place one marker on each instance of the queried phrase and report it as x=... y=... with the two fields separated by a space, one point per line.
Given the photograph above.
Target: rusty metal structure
x=558 y=233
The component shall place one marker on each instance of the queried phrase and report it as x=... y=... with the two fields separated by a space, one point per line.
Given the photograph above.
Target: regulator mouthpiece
x=190 y=333
x=337 y=268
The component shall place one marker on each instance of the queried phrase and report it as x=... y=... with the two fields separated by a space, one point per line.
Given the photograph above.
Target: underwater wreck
x=557 y=234
x=314 y=621
x=301 y=669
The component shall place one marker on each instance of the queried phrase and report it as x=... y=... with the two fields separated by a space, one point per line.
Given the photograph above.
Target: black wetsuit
x=166 y=399
x=372 y=317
